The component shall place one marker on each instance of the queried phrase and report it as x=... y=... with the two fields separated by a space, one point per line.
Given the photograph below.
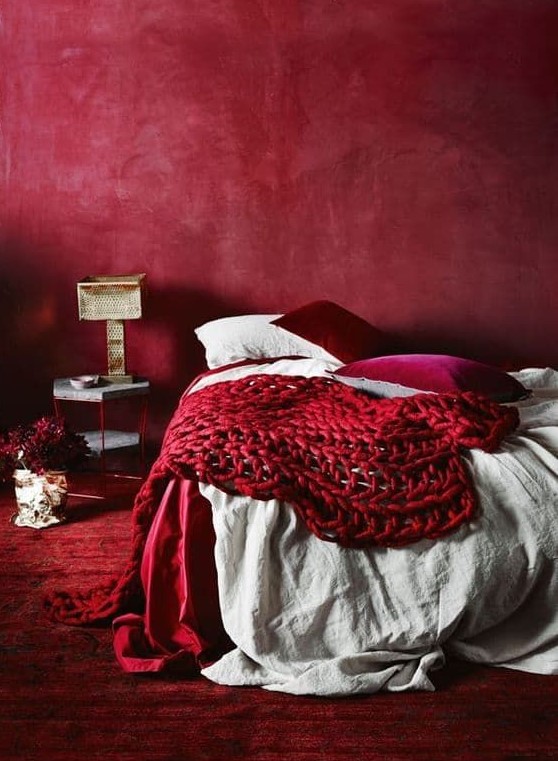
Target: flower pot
x=41 y=499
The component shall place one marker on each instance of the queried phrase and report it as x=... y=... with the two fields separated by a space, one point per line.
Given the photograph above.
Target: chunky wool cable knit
x=359 y=471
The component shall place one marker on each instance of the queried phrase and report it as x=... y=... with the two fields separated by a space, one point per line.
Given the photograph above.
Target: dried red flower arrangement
x=46 y=444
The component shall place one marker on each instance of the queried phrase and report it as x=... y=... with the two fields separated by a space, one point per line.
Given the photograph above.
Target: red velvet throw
x=359 y=471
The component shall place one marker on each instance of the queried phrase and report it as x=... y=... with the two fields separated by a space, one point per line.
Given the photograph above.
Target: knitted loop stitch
x=359 y=471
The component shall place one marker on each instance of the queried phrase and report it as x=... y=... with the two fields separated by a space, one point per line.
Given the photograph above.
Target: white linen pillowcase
x=252 y=336
x=379 y=388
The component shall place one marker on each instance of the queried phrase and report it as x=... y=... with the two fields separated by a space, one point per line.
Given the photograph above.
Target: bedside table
x=104 y=440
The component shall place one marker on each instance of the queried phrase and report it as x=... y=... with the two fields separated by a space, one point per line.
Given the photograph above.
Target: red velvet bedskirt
x=181 y=629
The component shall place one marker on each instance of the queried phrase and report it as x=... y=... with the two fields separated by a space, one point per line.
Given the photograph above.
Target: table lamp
x=113 y=298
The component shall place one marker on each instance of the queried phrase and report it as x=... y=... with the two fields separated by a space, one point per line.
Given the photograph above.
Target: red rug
x=63 y=697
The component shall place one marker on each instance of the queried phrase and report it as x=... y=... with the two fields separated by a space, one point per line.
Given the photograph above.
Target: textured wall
x=397 y=156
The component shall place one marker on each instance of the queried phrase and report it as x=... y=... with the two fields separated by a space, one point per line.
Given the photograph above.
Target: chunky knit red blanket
x=357 y=470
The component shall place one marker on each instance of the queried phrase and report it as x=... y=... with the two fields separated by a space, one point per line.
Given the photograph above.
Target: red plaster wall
x=396 y=156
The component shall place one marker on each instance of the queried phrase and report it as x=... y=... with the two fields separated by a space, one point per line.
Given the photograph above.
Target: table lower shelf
x=113 y=440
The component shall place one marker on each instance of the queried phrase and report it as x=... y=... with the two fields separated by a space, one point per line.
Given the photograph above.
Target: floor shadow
x=453 y=673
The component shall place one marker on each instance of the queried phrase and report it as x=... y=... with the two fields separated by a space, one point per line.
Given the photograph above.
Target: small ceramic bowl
x=84 y=381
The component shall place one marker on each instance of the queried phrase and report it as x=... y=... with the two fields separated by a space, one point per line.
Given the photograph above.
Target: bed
x=238 y=575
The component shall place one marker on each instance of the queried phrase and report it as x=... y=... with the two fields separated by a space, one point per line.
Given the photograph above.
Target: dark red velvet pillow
x=404 y=374
x=338 y=331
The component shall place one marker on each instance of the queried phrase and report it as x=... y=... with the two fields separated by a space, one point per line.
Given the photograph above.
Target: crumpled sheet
x=310 y=617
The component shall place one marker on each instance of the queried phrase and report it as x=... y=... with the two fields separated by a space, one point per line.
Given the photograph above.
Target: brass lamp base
x=117 y=378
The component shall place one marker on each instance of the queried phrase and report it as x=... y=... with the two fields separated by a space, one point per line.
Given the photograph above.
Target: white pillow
x=251 y=336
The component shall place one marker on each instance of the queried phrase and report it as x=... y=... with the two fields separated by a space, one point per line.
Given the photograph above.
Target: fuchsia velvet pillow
x=334 y=328
x=406 y=374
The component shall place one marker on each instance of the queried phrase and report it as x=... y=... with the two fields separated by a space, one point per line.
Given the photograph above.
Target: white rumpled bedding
x=310 y=617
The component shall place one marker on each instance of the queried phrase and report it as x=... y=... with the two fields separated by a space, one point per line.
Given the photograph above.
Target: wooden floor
x=63 y=697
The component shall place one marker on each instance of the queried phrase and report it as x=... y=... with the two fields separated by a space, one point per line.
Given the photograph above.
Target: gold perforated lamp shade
x=114 y=298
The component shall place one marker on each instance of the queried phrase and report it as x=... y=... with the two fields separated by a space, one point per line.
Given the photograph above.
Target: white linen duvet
x=310 y=617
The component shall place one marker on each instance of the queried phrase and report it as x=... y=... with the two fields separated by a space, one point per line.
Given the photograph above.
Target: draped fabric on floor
x=181 y=629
